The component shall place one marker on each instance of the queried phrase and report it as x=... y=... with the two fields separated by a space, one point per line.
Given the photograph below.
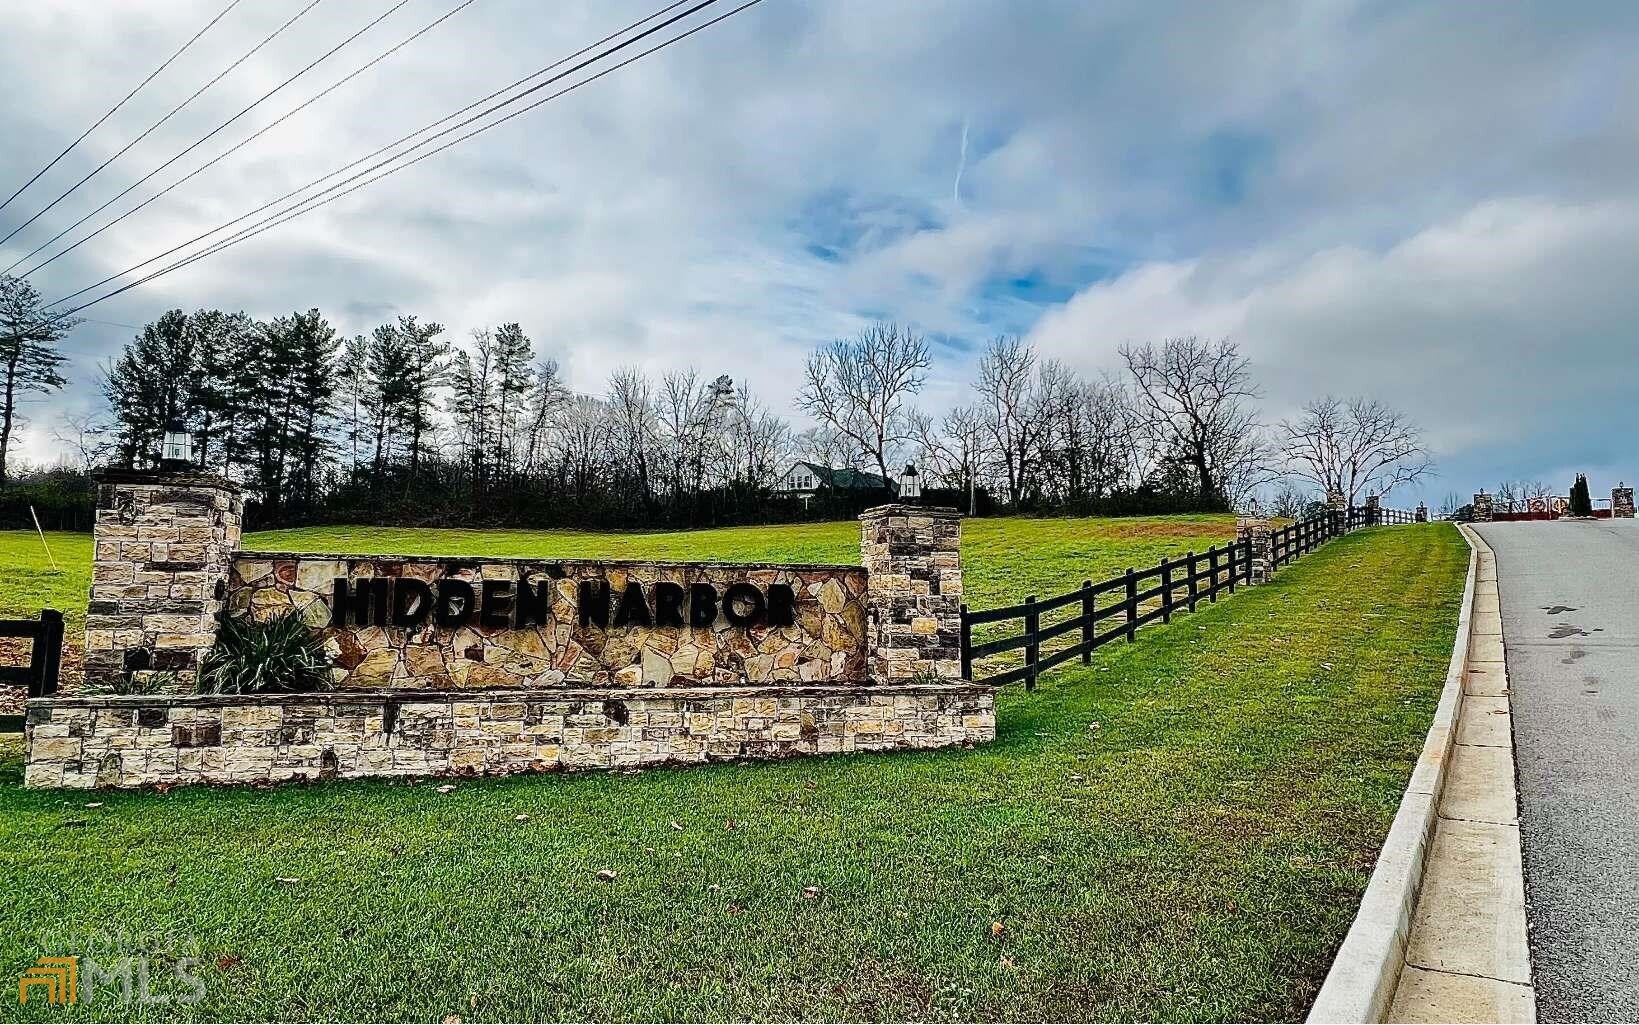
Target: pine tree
x=353 y=376
x=29 y=360
x=426 y=372
x=1581 y=501
x=514 y=379
x=313 y=347
x=473 y=402
x=152 y=381
x=387 y=384
x=221 y=345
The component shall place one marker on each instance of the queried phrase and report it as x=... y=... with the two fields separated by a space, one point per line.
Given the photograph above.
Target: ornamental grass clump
x=280 y=656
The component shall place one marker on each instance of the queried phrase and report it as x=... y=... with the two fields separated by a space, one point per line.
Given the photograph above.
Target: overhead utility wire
x=377 y=152
x=232 y=149
x=294 y=213
x=115 y=108
x=150 y=129
x=200 y=142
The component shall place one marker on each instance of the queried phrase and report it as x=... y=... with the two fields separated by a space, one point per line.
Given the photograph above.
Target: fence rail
x=46 y=633
x=1116 y=609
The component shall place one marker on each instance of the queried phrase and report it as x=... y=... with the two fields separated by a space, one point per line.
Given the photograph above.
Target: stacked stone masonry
x=1483 y=510
x=143 y=741
x=162 y=548
x=826 y=642
x=1262 y=548
x=1622 y=502
x=782 y=660
x=913 y=555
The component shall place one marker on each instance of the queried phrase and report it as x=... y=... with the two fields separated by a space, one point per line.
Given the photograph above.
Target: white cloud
x=1424 y=201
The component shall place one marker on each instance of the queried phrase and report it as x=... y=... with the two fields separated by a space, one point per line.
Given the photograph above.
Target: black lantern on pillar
x=910 y=484
x=176 y=451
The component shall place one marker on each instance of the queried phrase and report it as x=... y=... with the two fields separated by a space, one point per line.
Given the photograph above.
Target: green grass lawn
x=1180 y=831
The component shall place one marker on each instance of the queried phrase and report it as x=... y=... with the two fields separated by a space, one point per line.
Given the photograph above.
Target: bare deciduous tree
x=1194 y=398
x=1012 y=398
x=632 y=425
x=862 y=388
x=1356 y=447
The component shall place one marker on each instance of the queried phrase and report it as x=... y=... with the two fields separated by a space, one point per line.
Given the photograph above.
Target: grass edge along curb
x=1366 y=971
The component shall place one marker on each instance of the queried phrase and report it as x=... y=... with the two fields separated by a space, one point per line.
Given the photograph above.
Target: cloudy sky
x=1431 y=204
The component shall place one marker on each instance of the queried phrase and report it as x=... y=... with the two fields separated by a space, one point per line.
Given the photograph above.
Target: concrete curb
x=1363 y=977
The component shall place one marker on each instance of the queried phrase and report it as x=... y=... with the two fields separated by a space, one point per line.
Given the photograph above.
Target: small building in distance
x=805 y=481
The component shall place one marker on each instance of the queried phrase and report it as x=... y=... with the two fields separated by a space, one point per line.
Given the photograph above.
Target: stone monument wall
x=423 y=623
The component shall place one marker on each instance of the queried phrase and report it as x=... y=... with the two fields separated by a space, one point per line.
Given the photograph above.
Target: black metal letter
x=496 y=609
x=455 y=601
x=743 y=592
x=412 y=602
x=782 y=605
x=534 y=603
x=702 y=605
x=634 y=608
x=668 y=604
x=594 y=603
x=366 y=599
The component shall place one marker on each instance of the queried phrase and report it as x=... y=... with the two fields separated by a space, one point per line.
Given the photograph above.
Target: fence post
x=1166 y=590
x=1032 y=647
x=1234 y=548
x=1132 y=605
x=1212 y=573
x=1087 y=622
x=966 y=645
x=47 y=656
x=1194 y=585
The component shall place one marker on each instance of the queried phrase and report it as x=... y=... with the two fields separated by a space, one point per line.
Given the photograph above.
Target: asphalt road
x=1569 y=594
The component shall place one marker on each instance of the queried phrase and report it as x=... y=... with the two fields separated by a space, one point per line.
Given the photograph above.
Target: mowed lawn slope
x=1180 y=831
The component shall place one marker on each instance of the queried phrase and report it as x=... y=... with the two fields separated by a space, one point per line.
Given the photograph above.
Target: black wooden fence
x=1095 y=614
x=45 y=659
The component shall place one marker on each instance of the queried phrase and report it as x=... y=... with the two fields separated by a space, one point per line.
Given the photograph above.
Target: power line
x=151 y=128
x=235 y=147
x=397 y=142
x=115 y=108
x=297 y=211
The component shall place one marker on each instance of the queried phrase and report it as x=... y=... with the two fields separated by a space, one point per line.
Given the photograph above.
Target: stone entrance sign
x=464 y=666
x=439 y=624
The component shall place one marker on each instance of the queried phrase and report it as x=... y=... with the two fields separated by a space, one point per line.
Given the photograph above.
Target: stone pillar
x=1337 y=501
x=1622 y=502
x=1256 y=530
x=1422 y=512
x=1482 y=508
x=913 y=554
x=1374 y=511
x=162 y=547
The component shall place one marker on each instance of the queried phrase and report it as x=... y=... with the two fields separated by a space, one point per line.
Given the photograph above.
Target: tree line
x=407 y=425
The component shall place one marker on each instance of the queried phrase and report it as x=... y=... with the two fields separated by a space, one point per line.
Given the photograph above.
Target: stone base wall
x=140 y=741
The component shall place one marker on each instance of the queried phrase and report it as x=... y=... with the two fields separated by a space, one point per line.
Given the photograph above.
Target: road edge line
x=1366 y=970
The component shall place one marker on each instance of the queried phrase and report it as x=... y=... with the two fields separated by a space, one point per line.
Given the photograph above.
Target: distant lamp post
x=910 y=484
x=176 y=453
